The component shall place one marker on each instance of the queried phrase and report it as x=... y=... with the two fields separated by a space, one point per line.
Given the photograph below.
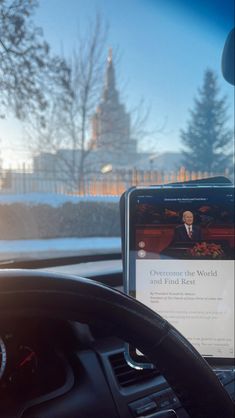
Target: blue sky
x=164 y=48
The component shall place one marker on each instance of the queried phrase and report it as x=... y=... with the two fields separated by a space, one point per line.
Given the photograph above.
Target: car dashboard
x=34 y=363
x=67 y=369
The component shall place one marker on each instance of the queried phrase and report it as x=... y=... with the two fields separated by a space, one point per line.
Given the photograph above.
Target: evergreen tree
x=207 y=138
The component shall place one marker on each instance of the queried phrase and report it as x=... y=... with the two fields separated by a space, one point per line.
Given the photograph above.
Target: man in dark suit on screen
x=188 y=232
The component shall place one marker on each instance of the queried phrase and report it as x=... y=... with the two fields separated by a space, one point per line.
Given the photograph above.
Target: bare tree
x=67 y=122
x=28 y=72
x=88 y=115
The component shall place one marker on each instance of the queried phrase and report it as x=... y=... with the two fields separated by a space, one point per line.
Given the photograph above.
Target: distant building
x=111 y=122
x=111 y=143
x=45 y=162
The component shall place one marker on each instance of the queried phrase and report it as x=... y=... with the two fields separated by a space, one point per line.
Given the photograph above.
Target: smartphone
x=179 y=261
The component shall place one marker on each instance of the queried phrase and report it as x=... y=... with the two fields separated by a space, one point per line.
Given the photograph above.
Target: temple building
x=112 y=149
x=111 y=129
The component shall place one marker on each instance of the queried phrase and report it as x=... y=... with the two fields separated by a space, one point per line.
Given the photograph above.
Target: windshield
x=98 y=96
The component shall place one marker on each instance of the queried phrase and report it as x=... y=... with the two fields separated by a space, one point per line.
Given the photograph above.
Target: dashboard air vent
x=128 y=376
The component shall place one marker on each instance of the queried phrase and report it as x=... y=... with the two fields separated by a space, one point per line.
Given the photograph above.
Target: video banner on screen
x=185 y=268
x=184 y=228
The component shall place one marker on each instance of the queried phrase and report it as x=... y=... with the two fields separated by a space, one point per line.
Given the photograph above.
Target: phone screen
x=180 y=262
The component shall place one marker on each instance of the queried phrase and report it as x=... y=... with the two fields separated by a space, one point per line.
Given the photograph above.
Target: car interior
x=63 y=329
x=62 y=337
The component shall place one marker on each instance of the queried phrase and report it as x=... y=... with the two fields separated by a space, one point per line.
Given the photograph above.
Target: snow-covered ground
x=57 y=247
x=52 y=199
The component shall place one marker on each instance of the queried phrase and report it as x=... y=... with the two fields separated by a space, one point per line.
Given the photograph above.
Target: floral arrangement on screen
x=204 y=249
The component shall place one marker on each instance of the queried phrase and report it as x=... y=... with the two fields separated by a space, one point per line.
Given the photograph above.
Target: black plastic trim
x=55 y=262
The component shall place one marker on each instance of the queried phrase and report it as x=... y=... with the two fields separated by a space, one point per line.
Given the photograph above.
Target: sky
x=164 y=47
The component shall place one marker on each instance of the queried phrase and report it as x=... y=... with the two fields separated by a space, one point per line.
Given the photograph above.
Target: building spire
x=111 y=122
x=110 y=55
x=110 y=91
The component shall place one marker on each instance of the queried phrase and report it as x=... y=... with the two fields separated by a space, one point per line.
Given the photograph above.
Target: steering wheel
x=26 y=292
